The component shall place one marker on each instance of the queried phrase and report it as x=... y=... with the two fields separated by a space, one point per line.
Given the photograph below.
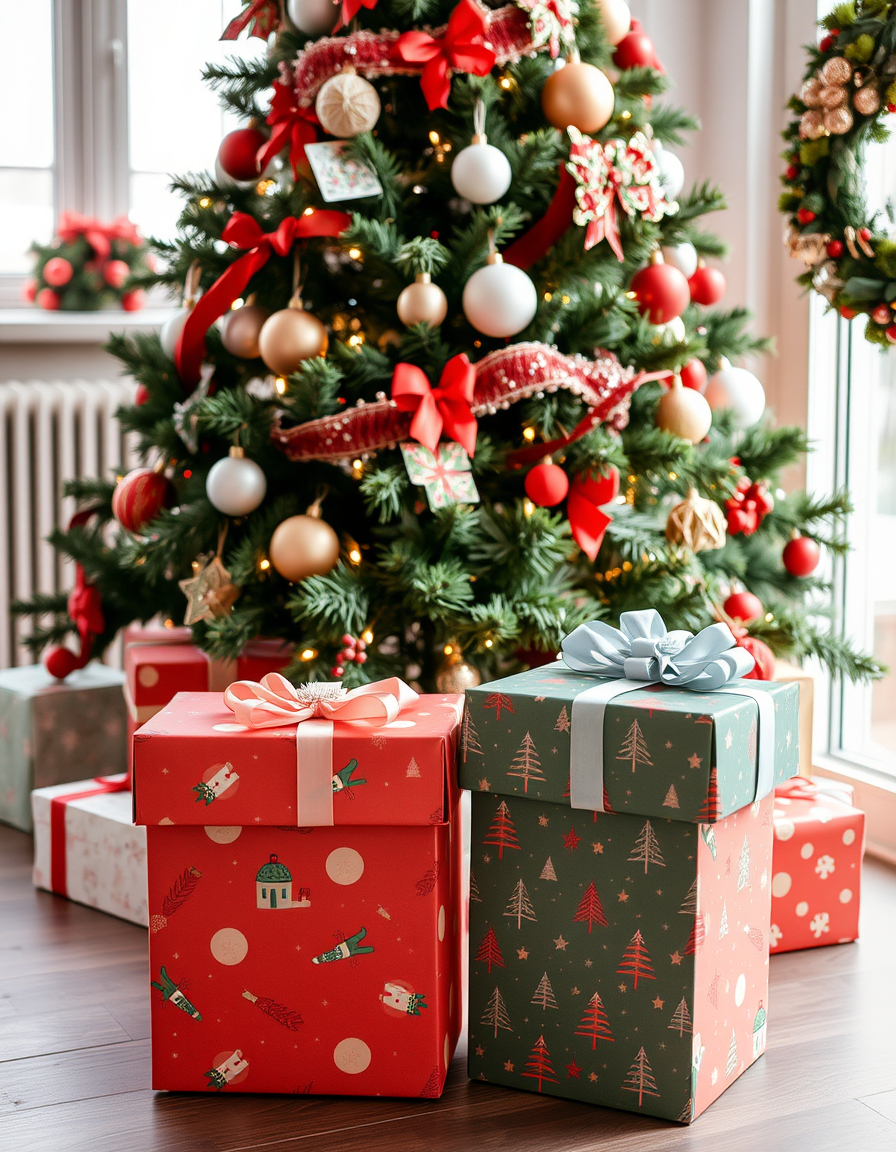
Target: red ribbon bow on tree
x=448 y=407
x=350 y=9
x=98 y=235
x=461 y=48
x=86 y=610
x=587 y=521
x=291 y=125
x=244 y=231
x=263 y=15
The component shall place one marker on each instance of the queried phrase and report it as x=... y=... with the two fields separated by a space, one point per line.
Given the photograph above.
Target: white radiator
x=49 y=432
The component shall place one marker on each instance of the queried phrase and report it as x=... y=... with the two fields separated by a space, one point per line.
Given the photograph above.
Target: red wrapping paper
x=817 y=865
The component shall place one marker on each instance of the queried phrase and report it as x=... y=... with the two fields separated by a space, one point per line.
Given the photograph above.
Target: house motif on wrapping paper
x=273 y=887
x=759 y=1029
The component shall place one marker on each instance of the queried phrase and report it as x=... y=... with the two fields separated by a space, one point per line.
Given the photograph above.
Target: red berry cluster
x=354 y=651
x=748 y=507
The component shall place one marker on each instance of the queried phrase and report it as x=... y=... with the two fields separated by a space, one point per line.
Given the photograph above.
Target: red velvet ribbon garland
x=58 y=861
x=461 y=48
x=447 y=407
x=529 y=248
x=86 y=611
x=243 y=231
x=97 y=234
x=290 y=125
x=263 y=15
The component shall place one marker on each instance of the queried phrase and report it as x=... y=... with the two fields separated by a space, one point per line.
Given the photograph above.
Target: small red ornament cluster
x=354 y=651
x=662 y=292
x=748 y=507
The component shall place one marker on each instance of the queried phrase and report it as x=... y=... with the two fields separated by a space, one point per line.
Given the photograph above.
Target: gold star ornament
x=209 y=592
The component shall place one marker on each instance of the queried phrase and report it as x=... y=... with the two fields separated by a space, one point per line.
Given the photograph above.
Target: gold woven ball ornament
x=241 y=328
x=347 y=105
x=697 y=523
x=290 y=336
x=838 y=121
x=422 y=302
x=578 y=95
x=867 y=101
x=304 y=546
x=456 y=675
x=684 y=413
x=837 y=70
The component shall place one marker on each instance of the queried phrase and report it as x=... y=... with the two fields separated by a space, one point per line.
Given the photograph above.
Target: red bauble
x=661 y=291
x=765 y=502
x=847 y=313
x=49 y=300
x=115 y=273
x=29 y=291
x=825 y=43
x=547 y=485
x=58 y=271
x=693 y=375
x=743 y=606
x=740 y=520
x=791 y=172
x=238 y=151
x=801 y=556
x=635 y=51
x=864 y=234
x=805 y=216
x=762 y=654
x=133 y=301
x=835 y=249
x=707 y=286
x=140 y=497
x=597 y=487
x=141 y=395
x=881 y=314
x=891 y=333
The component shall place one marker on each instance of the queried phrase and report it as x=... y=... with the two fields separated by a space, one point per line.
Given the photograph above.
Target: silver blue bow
x=642 y=648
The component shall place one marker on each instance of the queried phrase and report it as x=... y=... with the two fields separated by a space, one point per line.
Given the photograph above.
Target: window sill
x=34 y=326
x=875 y=795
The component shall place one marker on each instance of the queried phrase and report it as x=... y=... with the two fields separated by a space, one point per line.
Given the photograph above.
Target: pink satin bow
x=807 y=788
x=448 y=407
x=98 y=235
x=273 y=702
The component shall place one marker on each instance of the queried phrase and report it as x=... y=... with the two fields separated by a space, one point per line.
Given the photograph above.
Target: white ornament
x=683 y=257
x=674 y=332
x=671 y=172
x=617 y=20
x=169 y=333
x=236 y=485
x=480 y=172
x=313 y=17
x=499 y=299
x=739 y=391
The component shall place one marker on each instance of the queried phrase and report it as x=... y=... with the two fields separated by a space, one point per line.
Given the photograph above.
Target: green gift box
x=621 y=957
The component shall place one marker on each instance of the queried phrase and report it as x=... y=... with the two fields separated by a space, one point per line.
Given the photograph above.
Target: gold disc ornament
x=456 y=675
x=304 y=546
x=684 y=412
x=697 y=523
x=241 y=328
x=422 y=302
x=347 y=105
x=578 y=95
x=290 y=336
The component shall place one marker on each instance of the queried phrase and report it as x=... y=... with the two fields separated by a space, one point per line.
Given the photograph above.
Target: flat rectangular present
x=54 y=731
x=322 y=959
x=87 y=849
x=817 y=865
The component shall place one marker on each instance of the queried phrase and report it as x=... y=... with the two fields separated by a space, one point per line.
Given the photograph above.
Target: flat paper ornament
x=338 y=176
x=209 y=593
x=447 y=475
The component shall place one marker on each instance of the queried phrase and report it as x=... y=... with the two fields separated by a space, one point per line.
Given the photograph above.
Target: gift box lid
x=154 y=672
x=193 y=764
x=667 y=752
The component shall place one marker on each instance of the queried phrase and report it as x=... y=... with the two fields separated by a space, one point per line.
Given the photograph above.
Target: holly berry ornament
x=236 y=485
x=499 y=299
x=801 y=556
x=660 y=290
x=739 y=391
x=578 y=95
x=140 y=496
x=748 y=506
x=238 y=152
x=707 y=286
x=547 y=484
x=354 y=651
x=743 y=606
x=480 y=172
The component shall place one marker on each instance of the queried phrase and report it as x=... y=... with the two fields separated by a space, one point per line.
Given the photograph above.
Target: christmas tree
x=526 y=764
x=490 y=951
x=502 y=832
x=539 y=1066
x=594 y=1022
x=640 y=1078
x=544 y=994
x=495 y=1014
x=519 y=906
x=636 y=960
x=445 y=269
x=590 y=909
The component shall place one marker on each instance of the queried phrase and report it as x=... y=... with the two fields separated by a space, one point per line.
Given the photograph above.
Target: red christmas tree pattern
x=636 y=961
x=490 y=951
x=640 y=1078
x=519 y=905
x=285 y=1016
x=712 y=805
x=502 y=832
x=495 y=1015
x=539 y=1066
x=590 y=909
x=634 y=748
x=526 y=765
x=544 y=994
x=697 y=936
x=594 y=1022
x=681 y=1018
x=433 y=1086
x=498 y=700
x=647 y=848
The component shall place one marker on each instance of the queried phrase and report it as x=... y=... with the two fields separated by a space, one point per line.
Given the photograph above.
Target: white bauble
x=671 y=173
x=739 y=391
x=616 y=18
x=313 y=17
x=169 y=333
x=236 y=485
x=499 y=299
x=674 y=332
x=683 y=257
x=481 y=173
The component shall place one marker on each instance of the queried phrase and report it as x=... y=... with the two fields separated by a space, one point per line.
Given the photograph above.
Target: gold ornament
x=616 y=18
x=304 y=546
x=241 y=328
x=422 y=302
x=810 y=93
x=684 y=412
x=811 y=125
x=578 y=95
x=867 y=101
x=456 y=675
x=838 y=121
x=289 y=337
x=347 y=105
x=209 y=592
x=697 y=523
x=836 y=71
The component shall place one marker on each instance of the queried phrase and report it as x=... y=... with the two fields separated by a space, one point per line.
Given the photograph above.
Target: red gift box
x=817 y=865
x=291 y=959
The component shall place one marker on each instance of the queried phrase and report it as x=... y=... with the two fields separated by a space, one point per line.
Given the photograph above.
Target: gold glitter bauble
x=811 y=125
x=289 y=337
x=578 y=95
x=838 y=121
x=832 y=95
x=347 y=105
x=867 y=101
x=837 y=70
x=303 y=546
x=456 y=675
x=422 y=302
x=684 y=413
x=241 y=328
x=697 y=523
x=810 y=93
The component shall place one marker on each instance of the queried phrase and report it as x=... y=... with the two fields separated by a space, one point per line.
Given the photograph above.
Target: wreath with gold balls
x=848 y=91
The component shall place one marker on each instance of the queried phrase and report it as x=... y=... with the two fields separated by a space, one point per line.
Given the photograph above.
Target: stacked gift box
x=620 y=957
x=304 y=888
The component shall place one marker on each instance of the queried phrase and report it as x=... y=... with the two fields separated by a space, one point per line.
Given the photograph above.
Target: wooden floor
x=74 y=1059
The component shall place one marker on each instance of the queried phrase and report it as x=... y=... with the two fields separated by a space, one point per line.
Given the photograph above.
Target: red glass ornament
x=743 y=606
x=58 y=271
x=865 y=234
x=835 y=249
x=791 y=172
x=825 y=43
x=707 y=286
x=661 y=291
x=29 y=291
x=547 y=485
x=805 y=216
x=693 y=375
x=881 y=314
x=133 y=301
x=237 y=153
x=635 y=51
x=801 y=556
x=847 y=313
x=115 y=273
x=764 y=668
x=49 y=300
x=597 y=487
x=141 y=395
x=891 y=333
x=140 y=496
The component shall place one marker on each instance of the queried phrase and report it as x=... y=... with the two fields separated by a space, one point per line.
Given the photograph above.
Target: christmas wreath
x=849 y=87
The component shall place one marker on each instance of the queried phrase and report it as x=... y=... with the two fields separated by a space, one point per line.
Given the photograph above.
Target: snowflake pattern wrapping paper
x=817 y=865
x=53 y=732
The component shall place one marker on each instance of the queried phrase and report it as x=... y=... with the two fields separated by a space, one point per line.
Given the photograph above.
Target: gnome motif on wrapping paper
x=223 y=778
x=759 y=1030
x=273 y=887
x=230 y=1069
x=399 y=998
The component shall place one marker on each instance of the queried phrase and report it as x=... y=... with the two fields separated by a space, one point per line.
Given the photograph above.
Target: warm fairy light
x=632 y=478
x=265 y=564
x=169 y=623
x=448 y=649
x=354 y=554
x=280 y=385
x=264 y=186
x=529 y=434
x=309 y=654
x=205 y=202
x=627 y=565
x=489 y=643
x=308 y=212
x=769 y=616
x=631 y=296
x=564 y=298
x=119 y=478
x=625 y=115
x=549 y=296
x=433 y=137
x=506 y=83
x=355 y=253
x=673 y=475
x=196 y=565
x=356 y=339
x=357 y=465
x=447 y=147
x=188 y=472
x=367 y=636
x=528 y=507
x=238 y=303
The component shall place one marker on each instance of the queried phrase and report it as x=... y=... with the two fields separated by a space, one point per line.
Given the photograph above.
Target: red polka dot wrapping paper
x=816 y=868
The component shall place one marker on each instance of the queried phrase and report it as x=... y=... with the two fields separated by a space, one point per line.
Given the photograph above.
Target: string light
x=549 y=296
x=448 y=649
x=308 y=212
x=265 y=186
x=769 y=617
x=673 y=475
x=280 y=385
x=631 y=296
x=528 y=507
x=489 y=643
x=309 y=654
x=356 y=339
x=354 y=554
x=169 y=623
x=367 y=636
x=433 y=138
x=355 y=253
x=564 y=298
x=205 y=202
x=265 y=564
x=238 y=303
x=506 y=83
x=529 y=434
x=357 y=469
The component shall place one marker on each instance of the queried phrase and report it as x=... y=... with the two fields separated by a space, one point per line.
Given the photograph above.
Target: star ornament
x=209 y=592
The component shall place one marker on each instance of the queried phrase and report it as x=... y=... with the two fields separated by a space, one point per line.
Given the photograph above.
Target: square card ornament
x=446 y=475
x=339 y=176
